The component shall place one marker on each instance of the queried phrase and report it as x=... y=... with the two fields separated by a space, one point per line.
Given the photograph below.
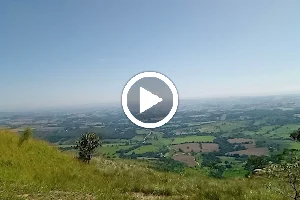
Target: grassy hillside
x=37 y=170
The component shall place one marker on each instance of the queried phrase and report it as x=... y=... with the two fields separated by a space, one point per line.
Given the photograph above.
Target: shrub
x=25 y=136
x=86 y=146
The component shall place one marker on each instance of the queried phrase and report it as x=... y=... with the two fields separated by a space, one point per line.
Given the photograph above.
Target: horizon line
x=55 y=108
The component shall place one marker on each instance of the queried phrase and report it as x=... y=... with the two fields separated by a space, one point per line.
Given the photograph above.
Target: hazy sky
x=56 y=53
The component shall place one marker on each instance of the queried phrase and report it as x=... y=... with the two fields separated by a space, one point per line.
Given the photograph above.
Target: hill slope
x=37 y=170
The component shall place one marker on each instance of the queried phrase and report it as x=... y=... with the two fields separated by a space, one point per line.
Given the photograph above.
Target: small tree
x=288 y=174
x=86 y=146
x=25 y=136
x=296 y=135
x=256 y=162
x=216 y=170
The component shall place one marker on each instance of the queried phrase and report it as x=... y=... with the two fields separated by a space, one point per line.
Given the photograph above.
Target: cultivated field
x=111 y=149
x=209 y=147
x=197 y=147
x=252 y=151
x=222 y=126
x=187 y=159
x=138 y=138
x=265 y=129
x=241 y=140
x=249 y=146
x=188 y=147
x=145 y=148
x=283 y=132
x=194 y=138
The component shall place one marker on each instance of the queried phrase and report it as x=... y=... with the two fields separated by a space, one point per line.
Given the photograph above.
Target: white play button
x=147 y=100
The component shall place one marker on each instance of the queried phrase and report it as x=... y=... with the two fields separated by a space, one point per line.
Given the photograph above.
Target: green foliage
x=287 y=173
x=224 y=145
x=256 y=162
x=217 y=170
x=86 y=146
x=25 y=136
x=169 y=165
x=210 y=160
x=295 y=135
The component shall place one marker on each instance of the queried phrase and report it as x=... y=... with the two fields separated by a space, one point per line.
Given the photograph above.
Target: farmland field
x=145 y=148
x=108 y=149
x=289 y=144
x=188 y=147
x=143 y=131
x=293 y=145
x=209 y=147
x=138 y=138
x=195 y=138
x=111 y=149
x=187 y=159
x=237 y=169
x=251 y=151
x=165 y=141
x=265 y=129
x=249 y=146
x=241 y=140
x=200 y=123
x=209 y=136
x=223 y=126
x=249 y=133
x=283 y=131
x=197 y=147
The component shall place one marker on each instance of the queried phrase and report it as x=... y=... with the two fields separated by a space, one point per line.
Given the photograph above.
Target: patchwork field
x=143 y=131
x=138 y=138
x=283 y=131
x=165 y=141
x=209 y=147
x=145 y=148
x=289 y=144
x=249 y=146
x=188 y=147
x=146 y=132
x=252 y=151
x=263 y=130
x=187 y=159
x=237 y=169
x=199 y=123
x=197 y=147
x=194 y=138
x=222 y=126
x=111 y=149
x=241 y=140
x=182 y=132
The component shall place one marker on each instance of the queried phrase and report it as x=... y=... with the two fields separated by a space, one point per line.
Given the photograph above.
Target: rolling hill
x=37 y=170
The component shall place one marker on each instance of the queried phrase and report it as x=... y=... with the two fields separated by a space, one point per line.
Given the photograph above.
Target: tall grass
x=37 y=170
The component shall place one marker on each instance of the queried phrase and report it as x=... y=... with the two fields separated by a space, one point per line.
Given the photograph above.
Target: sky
x=64 y=53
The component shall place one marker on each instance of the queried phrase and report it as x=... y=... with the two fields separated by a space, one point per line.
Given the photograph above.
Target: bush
x=25 y=136
x=86 y=145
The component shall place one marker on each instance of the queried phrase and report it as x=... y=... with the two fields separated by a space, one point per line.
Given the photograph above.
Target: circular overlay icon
x=150 y=99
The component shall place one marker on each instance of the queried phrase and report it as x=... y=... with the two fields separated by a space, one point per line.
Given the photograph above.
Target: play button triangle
x=148 y=100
